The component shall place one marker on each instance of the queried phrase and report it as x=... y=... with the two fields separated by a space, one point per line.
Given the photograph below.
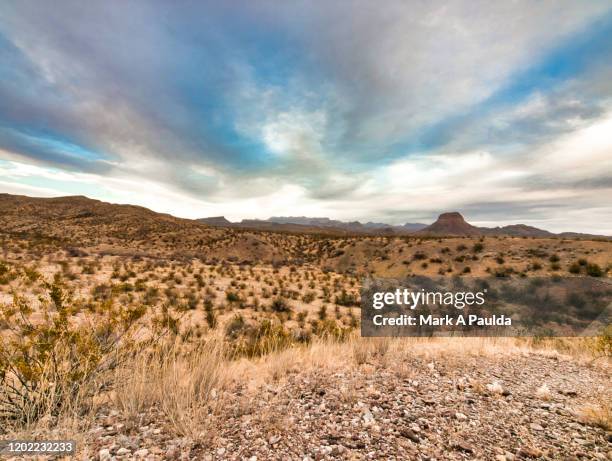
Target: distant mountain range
x=302 y=223
x=447 y=224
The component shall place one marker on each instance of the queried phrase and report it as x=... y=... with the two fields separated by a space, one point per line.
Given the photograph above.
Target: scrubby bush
x=56 y=361
x=280 y=305
x=346 y=299
x=594 y=270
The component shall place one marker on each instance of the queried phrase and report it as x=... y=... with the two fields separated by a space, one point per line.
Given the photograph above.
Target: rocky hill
x=450 y=224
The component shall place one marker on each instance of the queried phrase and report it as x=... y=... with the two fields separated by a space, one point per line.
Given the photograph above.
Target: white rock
x=368 y=418
x=495 y=388
x=104 y=454
x=543 y=392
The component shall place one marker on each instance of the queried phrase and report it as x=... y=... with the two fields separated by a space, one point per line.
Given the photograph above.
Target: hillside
x=103 y=227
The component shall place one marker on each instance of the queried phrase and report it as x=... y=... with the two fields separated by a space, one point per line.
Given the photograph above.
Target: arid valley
x=144 y=336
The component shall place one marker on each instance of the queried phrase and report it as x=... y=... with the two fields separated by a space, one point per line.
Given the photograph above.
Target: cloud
x=354 y=112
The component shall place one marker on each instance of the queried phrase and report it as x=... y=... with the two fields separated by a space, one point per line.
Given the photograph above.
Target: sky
x=389 y=111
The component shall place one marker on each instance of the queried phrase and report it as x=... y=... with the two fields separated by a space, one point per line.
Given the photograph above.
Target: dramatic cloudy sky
x=391 y=111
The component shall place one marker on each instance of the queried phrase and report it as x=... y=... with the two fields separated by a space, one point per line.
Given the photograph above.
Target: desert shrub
x=262 y=339
x=594 y=270
x=478 y=247
x=48 y=365
x=419 y=255
x=554 y=258
x=232 y=297
x=151 y=296
x=329 y=328
x=31 y=274
x=574 y=268
x=347 y=299
x=309 y=297
x=211 y=318
x=279 y=304
x=235 y=326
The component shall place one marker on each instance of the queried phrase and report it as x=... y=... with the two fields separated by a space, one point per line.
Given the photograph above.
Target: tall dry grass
x=183 y=384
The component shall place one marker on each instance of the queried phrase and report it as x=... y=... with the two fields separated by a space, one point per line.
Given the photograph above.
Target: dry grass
x=598 y=414
x=358 y=351
x=184 y=385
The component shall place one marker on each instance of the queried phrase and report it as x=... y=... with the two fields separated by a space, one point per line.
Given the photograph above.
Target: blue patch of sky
x=571 y=60
x=215 y=87
x=38 y=143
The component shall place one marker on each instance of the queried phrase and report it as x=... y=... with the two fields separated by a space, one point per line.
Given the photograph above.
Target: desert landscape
x=144 y=336
x=306 y=231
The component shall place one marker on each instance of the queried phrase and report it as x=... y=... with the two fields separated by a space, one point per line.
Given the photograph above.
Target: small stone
x=273 y=440
x=460 y=416
x=172 y=452
x=410 y=434
x=368 y=417
x=123 y=451
x=536 y=427
x=462 y=446
x=104 y=454
x=221 y=451
x=530 y=452
x=143 y=452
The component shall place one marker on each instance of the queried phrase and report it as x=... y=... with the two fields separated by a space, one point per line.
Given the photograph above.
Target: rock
x=123 y=451
x=410 y=434
x=462 y=446
x=529 y=452
x=104 y=454
x=142 y=453
x=460 y=416
x=495 y=388
x=543 y=392
x=536 y=427
x=172 y=452
x=273 y=440
x=368 y=418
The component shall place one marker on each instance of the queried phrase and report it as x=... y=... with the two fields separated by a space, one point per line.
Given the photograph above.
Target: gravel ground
x=456 y=408
x=461 y=407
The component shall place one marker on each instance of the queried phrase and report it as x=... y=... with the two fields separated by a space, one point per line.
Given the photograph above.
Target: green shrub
x=594 y=270
x=478 y=247
x=280 y=305
x=48 y=365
